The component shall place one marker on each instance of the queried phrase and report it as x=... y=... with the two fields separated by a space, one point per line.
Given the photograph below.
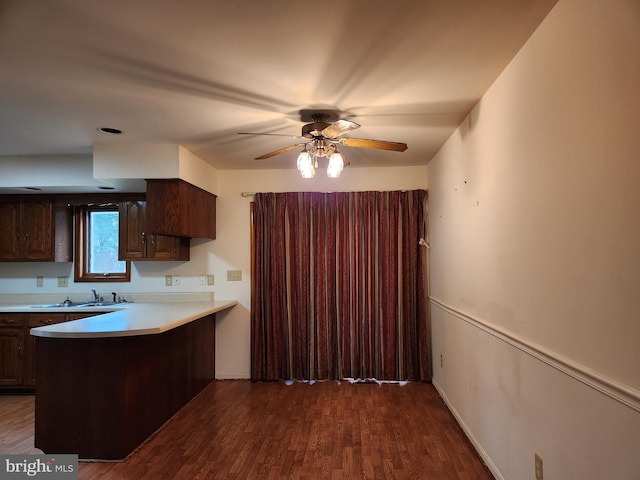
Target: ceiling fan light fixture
x=322 y=137
x=305 y=165
x=308 y=171
x=304 y=161
x=336 y=164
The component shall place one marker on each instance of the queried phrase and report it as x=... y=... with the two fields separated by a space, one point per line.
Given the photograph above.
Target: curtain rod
x=251 y=194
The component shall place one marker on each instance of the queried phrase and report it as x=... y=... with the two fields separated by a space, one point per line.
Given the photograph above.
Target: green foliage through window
x=96 y=245
x=103 y=243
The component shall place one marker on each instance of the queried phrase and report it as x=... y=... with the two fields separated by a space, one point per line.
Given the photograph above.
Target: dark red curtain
x=339 y=287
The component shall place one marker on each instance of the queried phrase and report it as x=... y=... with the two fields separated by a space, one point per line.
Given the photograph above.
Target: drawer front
x=79 y=316
x=11 y=320
x=44 y=319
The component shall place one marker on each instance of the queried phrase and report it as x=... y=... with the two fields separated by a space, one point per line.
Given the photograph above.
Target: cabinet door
x=62 y=233
x=177 y=208
x=11 y=350
x=9 y=231
x=11 y=345
x=162 y=247
x=136 y=244
x=36 y=320
x=79 y=316
x=132 y=243
x=36 y=220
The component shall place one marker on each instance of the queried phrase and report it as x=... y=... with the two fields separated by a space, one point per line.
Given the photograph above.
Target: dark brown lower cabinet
x=102 y=397
x=11 y=350
x=42 y=320
x=17 y=347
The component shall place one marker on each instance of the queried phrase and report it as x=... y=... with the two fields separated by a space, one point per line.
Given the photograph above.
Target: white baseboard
x=481 y=451
x=233 y=376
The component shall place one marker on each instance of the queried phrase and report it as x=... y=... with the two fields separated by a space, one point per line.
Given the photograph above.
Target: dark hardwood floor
x=243 y=430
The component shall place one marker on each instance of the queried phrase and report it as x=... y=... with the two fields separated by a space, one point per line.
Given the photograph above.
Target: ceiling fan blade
x=279 y=151
x=272 y=134
x=379 y=144
x=338 y=128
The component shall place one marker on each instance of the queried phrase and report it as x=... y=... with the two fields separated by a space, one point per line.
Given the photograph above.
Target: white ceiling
x=196 y=72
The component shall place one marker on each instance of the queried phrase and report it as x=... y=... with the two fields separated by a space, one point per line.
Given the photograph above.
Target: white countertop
x=124 y=319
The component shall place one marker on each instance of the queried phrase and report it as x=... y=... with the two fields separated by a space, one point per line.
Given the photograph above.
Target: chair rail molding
x=620 y=392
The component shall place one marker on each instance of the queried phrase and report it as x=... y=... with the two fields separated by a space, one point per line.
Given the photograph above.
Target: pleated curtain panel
x=339 y=286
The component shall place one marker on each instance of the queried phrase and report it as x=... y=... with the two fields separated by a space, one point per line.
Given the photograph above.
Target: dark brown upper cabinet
x=180 y=209
x=136 y=243
x=35 y=231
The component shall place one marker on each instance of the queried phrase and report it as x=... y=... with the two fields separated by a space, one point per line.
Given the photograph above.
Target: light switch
x=234 y=275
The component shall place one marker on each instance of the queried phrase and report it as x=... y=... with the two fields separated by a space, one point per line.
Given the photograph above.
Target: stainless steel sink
x=97 y=304
x=75 y=304
x=57 y=305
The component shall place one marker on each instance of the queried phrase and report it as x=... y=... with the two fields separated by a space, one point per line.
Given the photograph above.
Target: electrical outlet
x=538 y=467
x=202 y=280
x=39 y=281
x=234 y=275
x=176 y=281
x=210 y=280
x=441 y=361
x=63 y=282
x=168 y=281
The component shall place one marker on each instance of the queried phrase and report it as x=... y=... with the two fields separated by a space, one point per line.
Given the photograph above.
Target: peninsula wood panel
x=102 y=397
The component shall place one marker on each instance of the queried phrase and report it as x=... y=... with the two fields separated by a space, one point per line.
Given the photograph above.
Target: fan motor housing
x=311 y=130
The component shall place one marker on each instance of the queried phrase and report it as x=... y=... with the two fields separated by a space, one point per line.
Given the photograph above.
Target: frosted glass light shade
x=336 y=164
x=304 y=161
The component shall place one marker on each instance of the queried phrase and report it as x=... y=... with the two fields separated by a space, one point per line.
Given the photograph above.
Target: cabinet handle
x=144 y=239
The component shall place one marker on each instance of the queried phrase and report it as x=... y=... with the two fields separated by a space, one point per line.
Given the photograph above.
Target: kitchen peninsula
x=107 y=382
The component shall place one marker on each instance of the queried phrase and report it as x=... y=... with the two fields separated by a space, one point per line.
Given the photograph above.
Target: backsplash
x=141 y=297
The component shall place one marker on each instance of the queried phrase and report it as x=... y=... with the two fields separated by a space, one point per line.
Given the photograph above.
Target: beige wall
x=535 y=265
x=230 y=251
x=129 y=165
x=534 y=234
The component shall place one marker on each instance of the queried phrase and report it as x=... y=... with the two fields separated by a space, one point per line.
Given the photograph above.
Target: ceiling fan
x=323 y=138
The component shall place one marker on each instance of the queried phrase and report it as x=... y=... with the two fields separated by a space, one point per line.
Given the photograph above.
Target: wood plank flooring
x=243 y=430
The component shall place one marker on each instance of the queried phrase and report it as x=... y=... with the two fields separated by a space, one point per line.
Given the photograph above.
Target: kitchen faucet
x=96 y=297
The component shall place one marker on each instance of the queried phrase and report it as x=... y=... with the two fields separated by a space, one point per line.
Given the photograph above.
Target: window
x=96 y=245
